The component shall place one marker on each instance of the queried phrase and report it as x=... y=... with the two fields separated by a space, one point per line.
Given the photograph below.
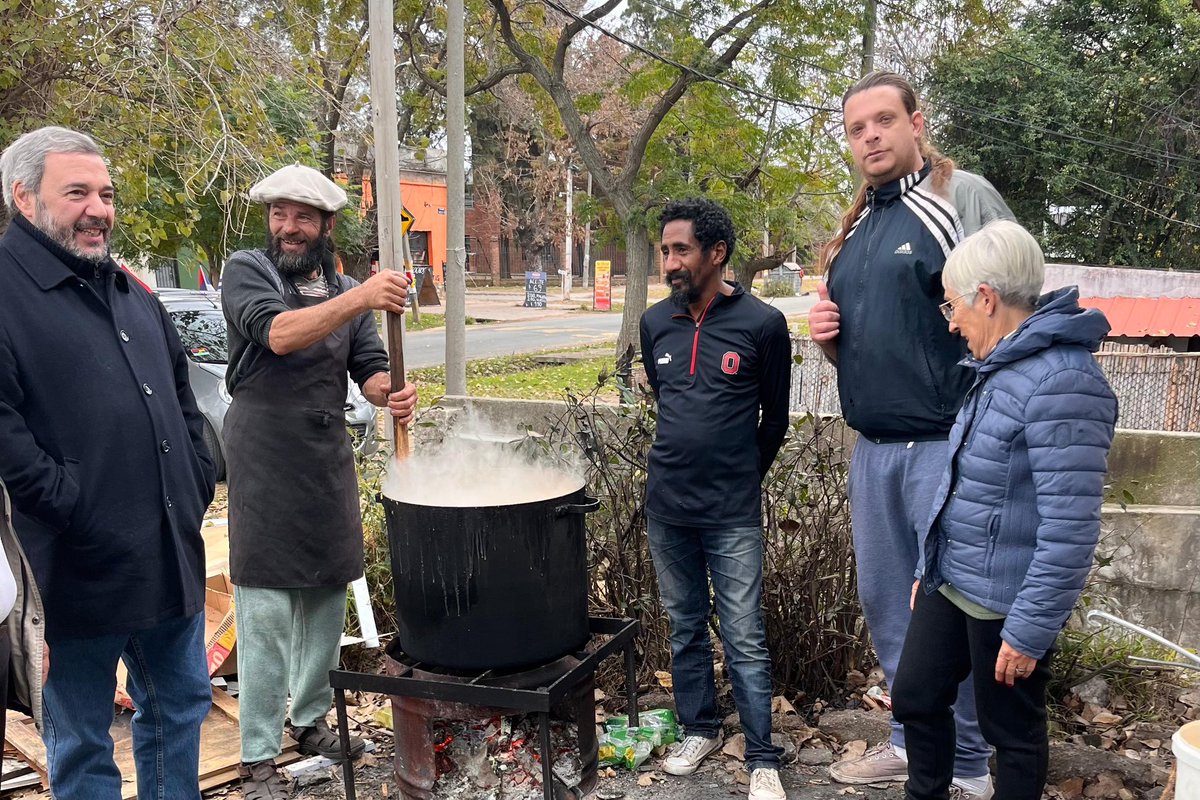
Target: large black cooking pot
x=490 y=587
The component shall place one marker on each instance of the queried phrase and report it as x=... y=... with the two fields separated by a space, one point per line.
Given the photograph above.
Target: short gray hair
x=24 y=160
x=1003 y=255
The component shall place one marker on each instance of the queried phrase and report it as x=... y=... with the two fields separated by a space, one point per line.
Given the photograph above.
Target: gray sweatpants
x=287 y=642
x=891 y=496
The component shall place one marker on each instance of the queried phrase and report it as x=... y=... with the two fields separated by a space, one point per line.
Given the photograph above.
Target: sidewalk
x=506 y=304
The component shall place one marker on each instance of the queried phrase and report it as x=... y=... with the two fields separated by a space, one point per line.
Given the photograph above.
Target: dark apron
x=294 y=520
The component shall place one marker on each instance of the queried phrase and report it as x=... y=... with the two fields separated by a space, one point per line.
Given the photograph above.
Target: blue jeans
x=685 y=558
x=168 y=682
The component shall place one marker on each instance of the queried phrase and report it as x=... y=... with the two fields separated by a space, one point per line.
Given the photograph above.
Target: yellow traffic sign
x=406 y=220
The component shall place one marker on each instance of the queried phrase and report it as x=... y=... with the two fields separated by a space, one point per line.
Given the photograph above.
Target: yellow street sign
x=406 y=220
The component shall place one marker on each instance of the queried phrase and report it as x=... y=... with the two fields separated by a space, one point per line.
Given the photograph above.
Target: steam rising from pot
x=479 y=467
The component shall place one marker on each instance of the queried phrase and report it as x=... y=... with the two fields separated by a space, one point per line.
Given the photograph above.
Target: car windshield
x=202 y=332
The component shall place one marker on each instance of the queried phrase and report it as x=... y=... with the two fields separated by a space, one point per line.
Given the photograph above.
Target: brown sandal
x=261 y=781
x=319 y=740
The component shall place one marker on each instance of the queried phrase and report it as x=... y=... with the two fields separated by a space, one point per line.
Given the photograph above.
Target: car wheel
x=214 y=450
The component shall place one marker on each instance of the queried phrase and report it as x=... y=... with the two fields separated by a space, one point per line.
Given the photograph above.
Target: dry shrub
x=814 y=622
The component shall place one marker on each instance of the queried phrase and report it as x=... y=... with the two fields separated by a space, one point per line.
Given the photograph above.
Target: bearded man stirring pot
x=296 y=328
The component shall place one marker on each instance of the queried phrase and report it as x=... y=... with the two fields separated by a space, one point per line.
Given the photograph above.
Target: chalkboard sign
x=535 y=290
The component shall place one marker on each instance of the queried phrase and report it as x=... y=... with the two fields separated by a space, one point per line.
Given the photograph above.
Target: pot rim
x=383 y=497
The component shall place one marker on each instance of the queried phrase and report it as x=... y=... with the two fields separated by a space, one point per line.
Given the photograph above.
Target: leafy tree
x=1087 y=119
x=748 y=53
x=173 y=90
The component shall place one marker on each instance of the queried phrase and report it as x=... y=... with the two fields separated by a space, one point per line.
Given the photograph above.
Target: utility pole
x=587 y=237
x=870 y=22
x=381 y=18
x=456 y=130
x=569 y=246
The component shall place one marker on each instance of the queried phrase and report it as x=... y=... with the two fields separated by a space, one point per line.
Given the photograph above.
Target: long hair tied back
x=942 y=167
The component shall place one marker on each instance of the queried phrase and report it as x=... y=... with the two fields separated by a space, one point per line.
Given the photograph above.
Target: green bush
x=777 y=288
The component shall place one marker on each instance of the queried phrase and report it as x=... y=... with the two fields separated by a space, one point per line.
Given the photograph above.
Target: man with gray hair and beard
x=102 y=451
x=296 y=327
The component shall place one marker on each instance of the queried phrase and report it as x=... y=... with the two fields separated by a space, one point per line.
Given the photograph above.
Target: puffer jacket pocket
x=993 y=532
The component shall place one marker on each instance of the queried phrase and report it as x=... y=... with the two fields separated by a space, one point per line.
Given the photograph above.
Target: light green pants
x=287 y=641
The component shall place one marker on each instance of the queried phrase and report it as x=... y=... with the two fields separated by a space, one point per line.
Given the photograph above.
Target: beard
x=683 y=293
x=63 y=233
x=292 y=264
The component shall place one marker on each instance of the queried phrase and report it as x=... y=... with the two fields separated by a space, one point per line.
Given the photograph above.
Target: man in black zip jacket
x=899 y=376
x=715 y=356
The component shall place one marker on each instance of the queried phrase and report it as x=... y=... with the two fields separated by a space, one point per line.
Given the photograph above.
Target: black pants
x=942 y=647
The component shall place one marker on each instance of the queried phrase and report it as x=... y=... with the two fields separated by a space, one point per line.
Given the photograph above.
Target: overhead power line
x=684 y=67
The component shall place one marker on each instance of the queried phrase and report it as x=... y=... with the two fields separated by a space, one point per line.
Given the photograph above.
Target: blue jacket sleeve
x=774 y=388
x=1069 y=422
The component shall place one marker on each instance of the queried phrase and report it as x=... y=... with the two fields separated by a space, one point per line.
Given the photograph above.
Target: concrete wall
x=1153 y=543
x=1122 y=282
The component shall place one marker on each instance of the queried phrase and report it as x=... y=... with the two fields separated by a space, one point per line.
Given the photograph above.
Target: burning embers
x=498 y=758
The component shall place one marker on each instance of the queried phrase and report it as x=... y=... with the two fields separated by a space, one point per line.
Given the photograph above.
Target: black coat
x=102 y=444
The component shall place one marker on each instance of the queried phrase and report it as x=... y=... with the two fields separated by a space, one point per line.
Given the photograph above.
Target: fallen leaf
x=780 y=705
x=1108 y=784
x=664 y=679
x=741 y=777
x=645 y=780
x=735 y=746
x=854 y=749
x=600 y=696
x=1106 y=719
x=1071 y=788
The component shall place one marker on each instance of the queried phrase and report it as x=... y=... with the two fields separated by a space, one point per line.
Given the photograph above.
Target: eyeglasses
x=947 y=308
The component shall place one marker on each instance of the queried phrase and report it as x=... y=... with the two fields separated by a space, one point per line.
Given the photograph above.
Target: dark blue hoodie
x=1017 y=515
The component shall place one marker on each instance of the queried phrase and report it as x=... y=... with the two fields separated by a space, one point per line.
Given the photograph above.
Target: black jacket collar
x=49 y=264
x=890 y=191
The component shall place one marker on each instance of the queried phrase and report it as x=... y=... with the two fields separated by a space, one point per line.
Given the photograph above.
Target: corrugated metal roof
x=1149 y=316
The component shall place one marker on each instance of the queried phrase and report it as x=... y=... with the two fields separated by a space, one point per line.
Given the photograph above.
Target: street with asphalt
x=511 y=328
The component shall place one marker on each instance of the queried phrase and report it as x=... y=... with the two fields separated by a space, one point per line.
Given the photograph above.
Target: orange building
x=424 y=196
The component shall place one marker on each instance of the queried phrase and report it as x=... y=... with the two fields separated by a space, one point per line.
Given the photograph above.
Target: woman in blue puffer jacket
x=1015 y=520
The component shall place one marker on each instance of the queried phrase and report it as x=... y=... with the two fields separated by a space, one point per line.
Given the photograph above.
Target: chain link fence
x=1158 y=390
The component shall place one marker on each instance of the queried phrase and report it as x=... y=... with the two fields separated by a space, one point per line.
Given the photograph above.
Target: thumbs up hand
x=824 y=321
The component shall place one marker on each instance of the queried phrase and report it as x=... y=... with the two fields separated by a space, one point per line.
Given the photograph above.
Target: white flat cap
x=299 y=184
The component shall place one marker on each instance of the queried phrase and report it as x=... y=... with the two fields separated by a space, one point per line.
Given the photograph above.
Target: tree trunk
x=214 y=266
x=639 y=258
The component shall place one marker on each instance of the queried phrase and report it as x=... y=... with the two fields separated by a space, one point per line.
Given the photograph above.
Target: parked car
x=201 y=325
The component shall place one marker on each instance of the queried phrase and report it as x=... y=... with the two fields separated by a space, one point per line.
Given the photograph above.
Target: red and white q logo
x=730 y=363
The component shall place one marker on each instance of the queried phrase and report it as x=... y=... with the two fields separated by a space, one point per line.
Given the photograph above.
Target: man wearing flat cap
x=296 y=329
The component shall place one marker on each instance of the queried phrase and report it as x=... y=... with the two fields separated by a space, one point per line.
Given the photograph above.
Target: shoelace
x=765 y=779
x=880 y=752
x=691 y=746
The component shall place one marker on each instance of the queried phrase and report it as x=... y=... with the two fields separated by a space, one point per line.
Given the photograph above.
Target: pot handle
x=589 y=505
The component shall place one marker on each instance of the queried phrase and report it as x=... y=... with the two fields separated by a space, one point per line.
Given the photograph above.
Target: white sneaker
x=880 y=764
x=963 y=790
x=688 y=754
x=765 y=785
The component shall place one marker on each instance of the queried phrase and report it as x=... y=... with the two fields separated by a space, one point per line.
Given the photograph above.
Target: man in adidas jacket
x=899 y=376
x=715 y=356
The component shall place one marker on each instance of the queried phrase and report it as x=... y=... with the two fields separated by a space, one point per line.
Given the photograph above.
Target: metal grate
x=1157 y=390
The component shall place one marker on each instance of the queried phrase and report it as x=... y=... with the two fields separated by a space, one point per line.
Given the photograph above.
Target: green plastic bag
x=620 y=748
x=656 y=726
